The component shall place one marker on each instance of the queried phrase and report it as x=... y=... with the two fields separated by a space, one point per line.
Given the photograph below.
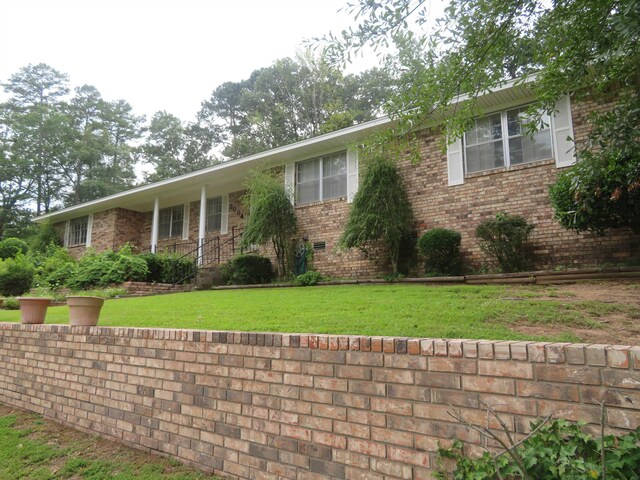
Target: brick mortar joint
x=573 y=354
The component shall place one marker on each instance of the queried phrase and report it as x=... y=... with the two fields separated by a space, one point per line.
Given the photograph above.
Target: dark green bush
x=308 y=279
x=10 y=247
x=247 y=270
x=168 y=268
x=505 y=239
x=108 y=267
x=16 y=275
x=441 y=249
x=45 y=237
x=558 y=450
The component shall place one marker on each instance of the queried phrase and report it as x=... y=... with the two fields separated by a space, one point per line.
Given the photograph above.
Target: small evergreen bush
x=16 y=275
x=10 y=247
x=441 y=249
x=247 y=270
x=10 y=303
x=308 y=279
x=505 y=239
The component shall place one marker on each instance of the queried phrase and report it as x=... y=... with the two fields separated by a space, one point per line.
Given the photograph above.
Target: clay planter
x=33 y=309
x=84 y=310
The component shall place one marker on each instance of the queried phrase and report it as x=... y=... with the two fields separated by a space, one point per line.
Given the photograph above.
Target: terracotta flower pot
x=33 y=309
x=84 y=310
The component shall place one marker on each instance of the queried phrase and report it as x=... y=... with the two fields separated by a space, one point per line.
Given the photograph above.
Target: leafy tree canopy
x=569 y=46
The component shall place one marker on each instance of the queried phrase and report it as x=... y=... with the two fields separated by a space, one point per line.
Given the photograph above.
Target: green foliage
x=16 y=275
x=108 y=267
x=603 y=189
x=272 y=217
x=11 y=247
x=380 y=213
x=247 y=270
x=557 y=450
x=11 y=303
x=54 y=266
x=45 y=236
x=168 y=268
x=441 y=249
x=505 y=239
x=556 y=47
x=308 y=279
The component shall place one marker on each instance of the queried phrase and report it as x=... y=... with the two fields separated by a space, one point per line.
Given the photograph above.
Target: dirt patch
x=612 y=307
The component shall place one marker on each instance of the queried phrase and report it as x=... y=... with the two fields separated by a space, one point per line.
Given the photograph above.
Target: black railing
x=208 y=252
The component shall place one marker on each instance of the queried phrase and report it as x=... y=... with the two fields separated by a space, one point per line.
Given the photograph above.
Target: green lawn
x=461 y=311
x=37 y=449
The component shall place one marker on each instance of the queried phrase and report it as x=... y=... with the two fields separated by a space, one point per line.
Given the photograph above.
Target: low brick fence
x=280 y=406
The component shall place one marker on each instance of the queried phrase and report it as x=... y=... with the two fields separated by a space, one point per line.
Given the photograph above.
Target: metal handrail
x=200 y=253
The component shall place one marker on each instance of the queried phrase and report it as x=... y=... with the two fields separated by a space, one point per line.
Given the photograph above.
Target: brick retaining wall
x=280 y=406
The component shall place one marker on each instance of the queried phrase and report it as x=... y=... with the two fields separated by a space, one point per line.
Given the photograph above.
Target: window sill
x=512 y=168
x=321 y=202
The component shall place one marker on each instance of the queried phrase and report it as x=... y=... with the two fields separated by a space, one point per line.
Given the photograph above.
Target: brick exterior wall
x=522 y=189
x=281 y=406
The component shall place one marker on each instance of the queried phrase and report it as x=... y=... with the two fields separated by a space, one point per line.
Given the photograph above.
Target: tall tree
x=174 y=148
x=37 y=127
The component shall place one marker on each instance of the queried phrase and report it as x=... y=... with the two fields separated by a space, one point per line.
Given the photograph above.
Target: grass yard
x=38 y=449
x=461 y=311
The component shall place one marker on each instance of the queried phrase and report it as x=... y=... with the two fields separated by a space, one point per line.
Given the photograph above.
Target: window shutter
x=89 y=229
x=455 y=162
x=563 y=133
x=352 y=173
x=290 y=180
x=224 y=219
x=185 y=222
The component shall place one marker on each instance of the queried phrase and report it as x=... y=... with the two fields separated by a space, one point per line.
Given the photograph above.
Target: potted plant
x=33 y=309
x=84 y=310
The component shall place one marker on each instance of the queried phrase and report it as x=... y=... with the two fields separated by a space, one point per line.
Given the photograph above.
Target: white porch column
x=202 y=226
x=154 y=225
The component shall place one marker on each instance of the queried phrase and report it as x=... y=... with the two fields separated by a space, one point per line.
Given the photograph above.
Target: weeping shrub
x=441 y=249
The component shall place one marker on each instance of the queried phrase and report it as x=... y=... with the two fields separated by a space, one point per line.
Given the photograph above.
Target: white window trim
x=291 y=177
x=185 y=222
x=67 y=232
x=504 y=124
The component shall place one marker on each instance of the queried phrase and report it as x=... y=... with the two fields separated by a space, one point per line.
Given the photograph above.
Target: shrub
x=54 y=266
x=10 y=247
x=307 y=279
x=167 y=268
x=107 y=268
x=505 y=238
x=247 y=269
x=557 y=450
x=10 y=303
x=16 y=275
x=45 y=237
x=441 y=249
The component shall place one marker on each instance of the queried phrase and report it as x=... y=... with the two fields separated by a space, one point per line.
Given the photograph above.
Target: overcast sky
x=159 y=54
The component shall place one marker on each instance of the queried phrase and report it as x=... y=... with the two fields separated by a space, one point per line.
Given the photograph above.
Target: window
x=170 y=222
x=214 y=214
x=78 y=230
x=500 y=140
x=321 y=178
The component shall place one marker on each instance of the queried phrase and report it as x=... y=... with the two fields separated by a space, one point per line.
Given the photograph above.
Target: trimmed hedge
x=441 y=249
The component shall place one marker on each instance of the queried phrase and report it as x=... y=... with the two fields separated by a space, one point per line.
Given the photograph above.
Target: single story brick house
x=493 y=168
